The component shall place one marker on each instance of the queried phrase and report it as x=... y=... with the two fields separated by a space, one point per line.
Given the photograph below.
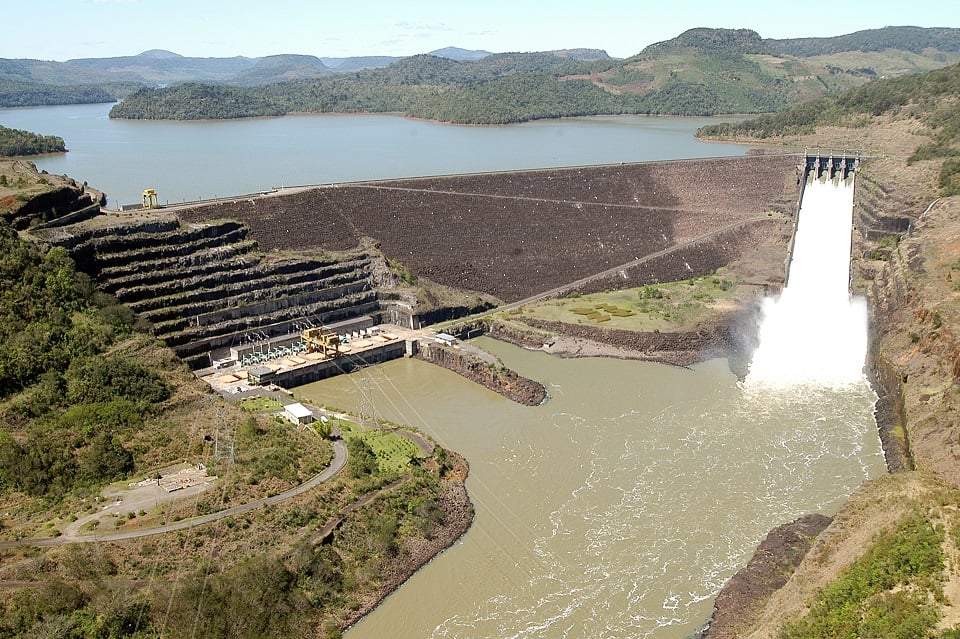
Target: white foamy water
x=814 y=334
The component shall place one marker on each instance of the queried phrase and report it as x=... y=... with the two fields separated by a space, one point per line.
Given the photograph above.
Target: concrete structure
x=298 y=413
x=290 y=370
x=445 y=338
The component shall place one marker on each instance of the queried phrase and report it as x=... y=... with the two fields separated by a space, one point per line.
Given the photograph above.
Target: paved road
x=339 y=461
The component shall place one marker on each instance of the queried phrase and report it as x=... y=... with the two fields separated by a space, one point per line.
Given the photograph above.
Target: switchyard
x=314 y=354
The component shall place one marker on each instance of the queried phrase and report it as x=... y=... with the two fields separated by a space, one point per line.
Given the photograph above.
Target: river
x=619 y=508
x=186 y=161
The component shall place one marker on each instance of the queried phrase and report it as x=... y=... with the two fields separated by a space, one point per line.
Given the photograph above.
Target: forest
x=928 y=97
x=14 y=93
x=74 y=404
x=20 y=142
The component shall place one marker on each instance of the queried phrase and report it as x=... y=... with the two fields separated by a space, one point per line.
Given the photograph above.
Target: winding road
x=339 y=461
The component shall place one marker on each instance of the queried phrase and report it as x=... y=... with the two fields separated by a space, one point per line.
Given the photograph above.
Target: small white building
x=445 y=339
x=298 y=413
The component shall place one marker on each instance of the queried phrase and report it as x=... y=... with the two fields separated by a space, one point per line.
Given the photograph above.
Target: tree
x=361 y=458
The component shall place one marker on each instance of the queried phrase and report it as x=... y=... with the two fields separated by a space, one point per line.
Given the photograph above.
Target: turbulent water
x=621 y=507
x=814 y=334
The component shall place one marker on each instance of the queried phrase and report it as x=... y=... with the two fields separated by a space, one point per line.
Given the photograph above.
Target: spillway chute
x=814 y=333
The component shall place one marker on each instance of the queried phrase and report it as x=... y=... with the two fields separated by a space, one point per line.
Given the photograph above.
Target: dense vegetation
x=521 y=86
x=20 y=142
x=14 y=93
x=891 y=591
x=704 y=72
x=73 y=404
x=701 y=72
x=929 y=97
x=912 y=39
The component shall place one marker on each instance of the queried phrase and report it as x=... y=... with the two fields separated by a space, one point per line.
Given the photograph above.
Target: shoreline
x=459 y=514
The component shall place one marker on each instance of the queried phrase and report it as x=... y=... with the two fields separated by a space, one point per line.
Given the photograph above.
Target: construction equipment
x=150 y=199
x=317 y=339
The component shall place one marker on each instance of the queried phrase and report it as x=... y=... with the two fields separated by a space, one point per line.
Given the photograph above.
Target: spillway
x=814 y=334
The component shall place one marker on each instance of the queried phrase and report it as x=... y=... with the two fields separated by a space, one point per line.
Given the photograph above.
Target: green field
x=674 y=306
x=255 y=404
x=393 y=452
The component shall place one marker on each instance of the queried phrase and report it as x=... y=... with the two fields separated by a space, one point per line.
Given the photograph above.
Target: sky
x=67 y=29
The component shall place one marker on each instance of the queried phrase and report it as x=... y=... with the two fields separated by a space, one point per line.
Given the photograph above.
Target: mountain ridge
x=702 y=71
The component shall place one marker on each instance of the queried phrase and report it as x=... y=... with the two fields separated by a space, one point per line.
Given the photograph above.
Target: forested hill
x=700 y=72
x=930 y=98
x=912 y=39
x=19 y=142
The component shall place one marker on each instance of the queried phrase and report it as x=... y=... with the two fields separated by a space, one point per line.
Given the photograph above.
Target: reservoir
x=188 y=161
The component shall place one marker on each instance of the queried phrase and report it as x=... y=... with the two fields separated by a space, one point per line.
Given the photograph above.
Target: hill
x=463 y=55
x=700 y=72
x=926 y=98
x=912 y=39
x=19 y=142
x=279 y=68
x=153 y=67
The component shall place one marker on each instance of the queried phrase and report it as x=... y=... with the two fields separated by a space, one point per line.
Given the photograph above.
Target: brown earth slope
x=517 y=234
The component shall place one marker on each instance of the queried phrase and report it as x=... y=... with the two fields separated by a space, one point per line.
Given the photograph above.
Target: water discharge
x=814 y=334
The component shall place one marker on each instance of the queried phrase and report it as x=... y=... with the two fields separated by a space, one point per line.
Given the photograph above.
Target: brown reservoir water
x=619 y=508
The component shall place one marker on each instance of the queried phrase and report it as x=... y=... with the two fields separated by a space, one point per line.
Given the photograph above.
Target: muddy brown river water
x=619 y=508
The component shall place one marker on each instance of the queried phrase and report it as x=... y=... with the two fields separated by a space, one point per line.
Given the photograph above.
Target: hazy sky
x=65 y=29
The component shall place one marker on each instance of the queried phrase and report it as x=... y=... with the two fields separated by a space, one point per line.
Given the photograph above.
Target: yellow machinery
x=150 y=199
x=317 y=340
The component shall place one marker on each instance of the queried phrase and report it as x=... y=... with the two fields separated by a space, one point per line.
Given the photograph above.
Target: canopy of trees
x=14 y=93
x=66 y=407
x=20 y=142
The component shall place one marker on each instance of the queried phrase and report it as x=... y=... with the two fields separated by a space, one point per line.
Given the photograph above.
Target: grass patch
x=393 y=452
x=256 y=404
x=670 y=306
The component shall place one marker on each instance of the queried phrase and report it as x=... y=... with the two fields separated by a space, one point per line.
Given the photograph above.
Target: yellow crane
x=150 y=199
x=317 y=339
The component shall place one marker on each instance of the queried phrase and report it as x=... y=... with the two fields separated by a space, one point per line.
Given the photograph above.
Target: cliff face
x=910 y=282
x=768 y=570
